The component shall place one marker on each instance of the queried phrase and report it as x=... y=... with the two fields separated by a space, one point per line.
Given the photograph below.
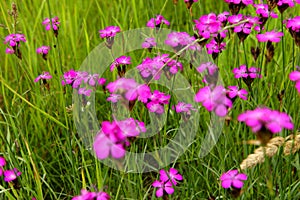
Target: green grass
x=39 y=137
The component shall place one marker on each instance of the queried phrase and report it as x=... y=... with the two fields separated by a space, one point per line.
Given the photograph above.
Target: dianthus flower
x=13 y=40
x=214 y=48
x=233 y=92
x=157 y=22
x=208 y=25
x=236 y=5
x=179 y=40
x=43 y=50
x=295 y=76
x=282 y=5
x=293 y=25
x=55 y=24
x=171 y=175
x=149 y=43
x=271 y=36
x=233 y=178
x=43 y=76
x=109 y=33
x=11 y=175
x=214 y=100
x=120 y=63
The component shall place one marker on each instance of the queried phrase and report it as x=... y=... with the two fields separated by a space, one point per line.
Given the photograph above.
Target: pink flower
x=244 y=72
x=182 y=107
x=122 y=60
x=2 y=162
x=234 y=92
x=208 y=25
x=214 y=99
x=149 y=43
x=111 y=140
x=265 y=118
x=271 y=36
x=43 y=76
x=9 y=51
x=14 y=39
x=55 y=24
x=214 y=47
x=85 y=195
x=171 y=175
x=163 y=188
x=290 y=3
x=109 y=31
x=157 y=22
x=295 y=76
x=263 y=11
x=233 y=178
x=43 y=50
x=11 y=175
x=244 y=2
x=85 y=91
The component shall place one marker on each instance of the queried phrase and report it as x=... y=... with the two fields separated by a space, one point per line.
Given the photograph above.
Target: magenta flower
x=271 y=36
x=149 y=43
x=85 y=91
x=294 y=28
x=109 y=31
x=14 y=40
x=85 y=195
x=43 y=76
x=208 y=25
x=179 y=40
x=111 y=140
x=157 y=22
x=2 y=164
x=234 y=92
x=69 y=77
x=214 y=100
x=233 y=178
x=171 y=175
x=11 y=175
x=9 y=51
x=182 y=107
x=55 y=23
x=248 y=74
x=43 y=50
x=163 y=188
x=263 y=11
x=122 y=60
x=266 y=119
x=245 y=2
x=295 y=76
x=215 y=48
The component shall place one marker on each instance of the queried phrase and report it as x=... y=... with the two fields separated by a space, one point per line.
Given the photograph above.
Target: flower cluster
x=211 y=70
x=157 y=22
x=76 y=78
x=214 y=99
x=112 y=139
x=244 y=29
x=54 y=23
x=247 y=74
x=264 y=13
x=86 y=195
x=13 y=40
x=167 y=180
x=295 y=76
x=261 y=119
x=10 y=174
x=128 y=89
x=151 y=68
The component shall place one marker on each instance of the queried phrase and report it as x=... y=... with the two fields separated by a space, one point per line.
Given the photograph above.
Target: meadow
x=85 y=95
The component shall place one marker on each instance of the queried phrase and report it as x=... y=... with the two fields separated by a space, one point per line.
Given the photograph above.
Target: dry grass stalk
x=291 y=144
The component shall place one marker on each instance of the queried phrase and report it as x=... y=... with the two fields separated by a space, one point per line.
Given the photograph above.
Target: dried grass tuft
x=291 y=145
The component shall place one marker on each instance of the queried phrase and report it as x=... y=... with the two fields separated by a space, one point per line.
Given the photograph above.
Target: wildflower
x=121 y=63
x=234 y=92
x=157 y=22
x=109 y=33
x=295 y=76
x=293 y=25
x=85 y=91
x=263 y=11
x=13 y=40
x=212 y=72
x=214 y=48
x=69 y=77
x=271 y=36
x=233 y=178
x=111 y=140
x=55 y=24
x=179 y=40
x=207 y=26
x=11 y=175
x=171 y=175
x=156 y=102
x=43 y=50
x=266 y=122
x=2 y=164
x=163 y=188
x=182 y=107
x=44 y=76
x=149 y=43
x=85 y=195
x=282 y=5
x=214 y=100
x=236 y=5
x=247 y=74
